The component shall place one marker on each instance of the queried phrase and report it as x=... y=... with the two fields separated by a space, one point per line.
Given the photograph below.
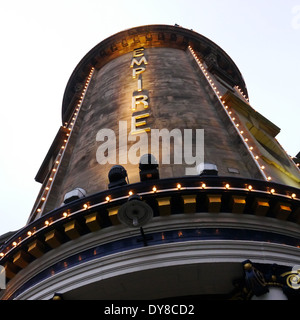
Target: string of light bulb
x=242 y=93
x=40 y=205
x=232 y=116
x=109 y=199
x=291 y=158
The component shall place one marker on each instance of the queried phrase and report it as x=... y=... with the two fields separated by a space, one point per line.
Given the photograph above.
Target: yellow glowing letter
x=134 y=61
x=137 y=71
x=136 y=101
x=135 y=124
x=138 y=52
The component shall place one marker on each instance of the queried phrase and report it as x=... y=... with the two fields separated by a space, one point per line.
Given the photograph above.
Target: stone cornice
x=222 y=251
x=146 y=258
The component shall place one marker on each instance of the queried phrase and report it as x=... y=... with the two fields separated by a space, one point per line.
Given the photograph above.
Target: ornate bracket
x=258 y=278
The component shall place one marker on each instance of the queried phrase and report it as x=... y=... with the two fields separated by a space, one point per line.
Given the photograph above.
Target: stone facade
x=178 y=99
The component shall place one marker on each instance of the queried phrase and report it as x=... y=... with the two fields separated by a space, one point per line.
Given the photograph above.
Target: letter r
x=140 y=99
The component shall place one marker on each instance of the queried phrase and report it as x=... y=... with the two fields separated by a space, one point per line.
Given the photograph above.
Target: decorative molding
x=156 y=257
x=212 y=250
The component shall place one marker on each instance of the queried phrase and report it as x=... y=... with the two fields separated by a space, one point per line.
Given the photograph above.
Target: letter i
x=140 y=83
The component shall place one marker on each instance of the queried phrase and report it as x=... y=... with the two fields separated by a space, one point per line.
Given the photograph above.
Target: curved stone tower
x=218 y=201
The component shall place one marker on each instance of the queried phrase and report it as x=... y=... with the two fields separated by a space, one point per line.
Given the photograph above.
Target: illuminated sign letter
x=141 y=99
x=138 y=63
x=138 y=52
x=137 y=71
x=135 y=124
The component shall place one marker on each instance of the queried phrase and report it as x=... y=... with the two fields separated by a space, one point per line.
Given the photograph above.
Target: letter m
x=166 y=135
x=138 y=63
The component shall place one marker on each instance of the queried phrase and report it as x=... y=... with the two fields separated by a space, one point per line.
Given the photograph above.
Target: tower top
x=149 y=36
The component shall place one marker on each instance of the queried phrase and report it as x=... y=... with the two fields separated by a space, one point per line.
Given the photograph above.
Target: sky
x=42 y=41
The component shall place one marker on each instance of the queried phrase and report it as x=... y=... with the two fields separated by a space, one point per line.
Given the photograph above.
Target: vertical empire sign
x=183 y=141
x=140 y=104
